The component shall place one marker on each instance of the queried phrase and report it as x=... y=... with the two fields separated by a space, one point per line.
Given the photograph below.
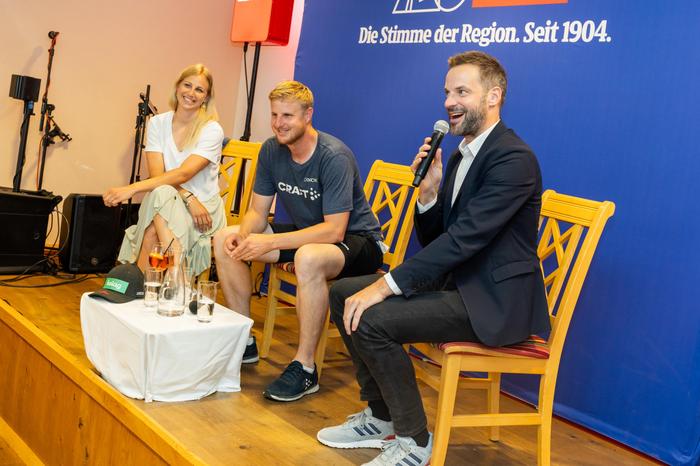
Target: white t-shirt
x=205 y=183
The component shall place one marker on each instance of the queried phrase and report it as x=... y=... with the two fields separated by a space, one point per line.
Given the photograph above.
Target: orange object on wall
x=266 y=21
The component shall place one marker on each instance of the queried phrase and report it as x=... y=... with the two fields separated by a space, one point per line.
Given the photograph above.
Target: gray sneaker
x=403 y=451
x=361 y=430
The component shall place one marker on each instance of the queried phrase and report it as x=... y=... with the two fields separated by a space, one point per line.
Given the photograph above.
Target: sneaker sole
x=250 y=360
x=272 y=396
x=374 y=443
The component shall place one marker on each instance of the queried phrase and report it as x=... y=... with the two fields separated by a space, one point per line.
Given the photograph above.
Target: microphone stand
x=48 y=138
x=28 y=112
x=46 y=109
x=251 y=96
x=248 y=120
x=144 y=111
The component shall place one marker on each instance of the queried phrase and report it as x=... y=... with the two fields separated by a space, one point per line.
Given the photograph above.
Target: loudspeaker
x=24 y=217
x=25 y=88
x=89 y=242
x=265 y=21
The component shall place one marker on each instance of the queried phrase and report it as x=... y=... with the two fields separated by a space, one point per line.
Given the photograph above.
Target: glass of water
x=206 y=297
x=190 y=288
x=151 y=284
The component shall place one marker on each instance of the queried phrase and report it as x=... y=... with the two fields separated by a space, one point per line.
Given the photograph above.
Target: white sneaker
x=403 y=451
x=361 y=430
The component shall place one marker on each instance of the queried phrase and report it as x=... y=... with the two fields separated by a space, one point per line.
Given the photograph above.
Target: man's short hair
x=295 y=91
x=490 y=70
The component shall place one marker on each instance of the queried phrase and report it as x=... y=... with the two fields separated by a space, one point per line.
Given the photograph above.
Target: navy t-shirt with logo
x=328 y=183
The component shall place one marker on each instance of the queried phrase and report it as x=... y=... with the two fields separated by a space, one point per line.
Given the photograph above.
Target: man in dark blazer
x=477 y=277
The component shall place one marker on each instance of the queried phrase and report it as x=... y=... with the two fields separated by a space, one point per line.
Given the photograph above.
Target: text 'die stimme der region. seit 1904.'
x=531 y=32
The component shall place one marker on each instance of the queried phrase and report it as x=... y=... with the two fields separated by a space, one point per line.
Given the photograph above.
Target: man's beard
x=472 y=120
x=292 y=137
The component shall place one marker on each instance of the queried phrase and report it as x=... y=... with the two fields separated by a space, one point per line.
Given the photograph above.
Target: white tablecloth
x=151 y=357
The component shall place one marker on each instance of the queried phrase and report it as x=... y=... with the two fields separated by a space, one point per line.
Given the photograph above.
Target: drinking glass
x=157 y=257
x=206 y=297
x=151 y=284
x=190 y=286
x=175 y=256
x=171 y=298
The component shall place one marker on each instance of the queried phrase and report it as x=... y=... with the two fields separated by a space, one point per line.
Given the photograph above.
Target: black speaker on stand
x=89 y=243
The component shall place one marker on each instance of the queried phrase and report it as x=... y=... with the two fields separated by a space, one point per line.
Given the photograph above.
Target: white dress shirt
x=469 y=152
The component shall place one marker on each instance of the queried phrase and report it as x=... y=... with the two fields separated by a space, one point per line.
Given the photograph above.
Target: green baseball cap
x=124 y=283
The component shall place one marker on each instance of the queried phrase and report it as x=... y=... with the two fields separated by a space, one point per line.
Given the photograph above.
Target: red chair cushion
x=533 y=347
x=286 y=266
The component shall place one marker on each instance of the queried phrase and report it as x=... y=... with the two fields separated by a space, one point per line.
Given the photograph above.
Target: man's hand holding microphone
x=427 y=165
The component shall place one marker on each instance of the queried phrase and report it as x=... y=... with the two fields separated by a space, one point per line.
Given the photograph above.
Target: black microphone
x=441 y=127
x=53 y=34
x=151 y=108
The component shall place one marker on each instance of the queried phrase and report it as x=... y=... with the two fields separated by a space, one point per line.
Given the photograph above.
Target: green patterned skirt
x=165 y=201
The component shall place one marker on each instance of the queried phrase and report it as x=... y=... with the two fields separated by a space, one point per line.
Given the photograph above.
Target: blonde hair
x=295 y=91
x=207 y=112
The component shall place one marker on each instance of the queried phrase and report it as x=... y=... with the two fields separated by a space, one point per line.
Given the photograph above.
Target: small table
x=151 y=357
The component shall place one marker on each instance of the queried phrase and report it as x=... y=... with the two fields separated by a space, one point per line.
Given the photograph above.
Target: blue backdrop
x=609 y=108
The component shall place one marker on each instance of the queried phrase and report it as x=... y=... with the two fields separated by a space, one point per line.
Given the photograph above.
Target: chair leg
x=544 y=432
x=494 y=398
x=273 y=285
x=449 y=380
x=321 y=346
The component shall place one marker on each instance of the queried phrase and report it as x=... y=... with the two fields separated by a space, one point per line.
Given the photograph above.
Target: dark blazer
x=487 y=241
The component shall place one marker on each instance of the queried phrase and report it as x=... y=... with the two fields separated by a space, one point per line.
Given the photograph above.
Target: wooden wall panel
x=65 y=413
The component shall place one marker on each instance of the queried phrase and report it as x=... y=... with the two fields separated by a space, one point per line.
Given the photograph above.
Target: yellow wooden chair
x=392 y=198
x=234 y=156
x=565 y=223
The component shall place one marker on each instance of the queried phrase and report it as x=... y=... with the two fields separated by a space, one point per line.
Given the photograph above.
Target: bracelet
x=186 y=198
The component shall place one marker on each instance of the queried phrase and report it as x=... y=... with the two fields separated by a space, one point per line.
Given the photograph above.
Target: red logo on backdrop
x=490 y=3
x=446 y=6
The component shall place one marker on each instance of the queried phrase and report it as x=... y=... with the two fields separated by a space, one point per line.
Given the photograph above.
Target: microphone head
x=441 y=126
x=53 y=34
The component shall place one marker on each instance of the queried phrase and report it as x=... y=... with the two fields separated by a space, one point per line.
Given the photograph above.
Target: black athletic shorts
x=362 y=253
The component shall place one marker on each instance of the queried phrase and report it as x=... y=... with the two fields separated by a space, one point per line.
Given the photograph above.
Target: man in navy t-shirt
x=333 y=231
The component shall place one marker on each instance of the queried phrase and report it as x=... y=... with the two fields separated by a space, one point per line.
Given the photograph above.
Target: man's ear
x=494 y=96
x=308 y=114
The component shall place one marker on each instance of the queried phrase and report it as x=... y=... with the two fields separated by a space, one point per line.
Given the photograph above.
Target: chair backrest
x=392 y=198
x=570 y=228
x=234 y=156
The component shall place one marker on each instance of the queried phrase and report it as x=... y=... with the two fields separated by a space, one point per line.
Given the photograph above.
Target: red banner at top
x=490 y=3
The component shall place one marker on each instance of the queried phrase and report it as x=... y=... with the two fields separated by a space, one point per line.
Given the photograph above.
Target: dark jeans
x=384 y=369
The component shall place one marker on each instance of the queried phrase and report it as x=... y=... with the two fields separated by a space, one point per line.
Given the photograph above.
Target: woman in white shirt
x=183 y=151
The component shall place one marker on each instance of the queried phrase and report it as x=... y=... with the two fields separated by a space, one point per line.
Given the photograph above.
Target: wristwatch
x=187 y=198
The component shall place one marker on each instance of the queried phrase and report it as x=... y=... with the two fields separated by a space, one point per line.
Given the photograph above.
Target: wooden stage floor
x=246 y=429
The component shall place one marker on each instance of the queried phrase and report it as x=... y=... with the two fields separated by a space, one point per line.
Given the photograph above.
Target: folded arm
x=175 y=177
